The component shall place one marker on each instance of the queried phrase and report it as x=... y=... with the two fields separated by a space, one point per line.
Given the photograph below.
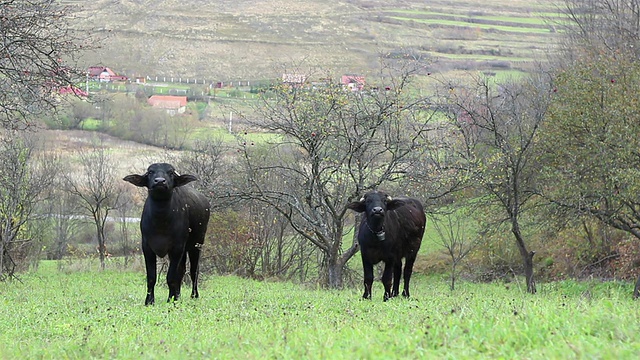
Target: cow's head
x=160 y=179
x=374 y=204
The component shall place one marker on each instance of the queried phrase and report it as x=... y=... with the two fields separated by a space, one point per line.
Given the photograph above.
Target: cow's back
x=197 y=208
x=405 y=225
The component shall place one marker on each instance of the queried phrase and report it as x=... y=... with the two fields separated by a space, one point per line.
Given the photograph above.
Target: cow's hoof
x=150 y=300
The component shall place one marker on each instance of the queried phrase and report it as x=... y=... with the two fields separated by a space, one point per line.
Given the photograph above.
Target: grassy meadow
x=82 y=313
x=52 y=314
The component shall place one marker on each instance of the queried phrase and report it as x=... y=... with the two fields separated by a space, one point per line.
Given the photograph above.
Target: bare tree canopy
x=37 y=49
x=333 y=145
x=593 y=26
x=500 y=123
x=97 y=190
x=26 y=175
x=452 y=237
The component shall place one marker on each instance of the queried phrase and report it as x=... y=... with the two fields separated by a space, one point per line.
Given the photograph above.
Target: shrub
x=230 y=246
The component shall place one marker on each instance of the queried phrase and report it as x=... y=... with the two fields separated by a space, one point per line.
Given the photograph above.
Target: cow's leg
x=150 y=263
x=387 y=274
x=194 y=260
x=368 y=278
x=397 y=272
x=408 y=270
x=177 y=265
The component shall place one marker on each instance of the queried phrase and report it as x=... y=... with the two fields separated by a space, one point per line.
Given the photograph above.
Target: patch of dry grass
x=126 y=156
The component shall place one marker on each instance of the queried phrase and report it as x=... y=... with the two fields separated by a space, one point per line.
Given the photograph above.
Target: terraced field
x=468 y=34
x=238 y=40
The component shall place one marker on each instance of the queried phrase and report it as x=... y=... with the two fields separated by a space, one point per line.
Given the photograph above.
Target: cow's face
x=374 y=204
x=160 y=179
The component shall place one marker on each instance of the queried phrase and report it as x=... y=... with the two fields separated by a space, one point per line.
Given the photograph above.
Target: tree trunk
x=452 y=287
x=101 y=247
x=101 y=251
x=335 y=275
x=636 y=290
x=527 y=257
x=336 y=266
x=528 y=272
x=1 y=258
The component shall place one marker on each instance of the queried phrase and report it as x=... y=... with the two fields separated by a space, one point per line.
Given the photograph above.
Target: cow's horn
x=362 y=199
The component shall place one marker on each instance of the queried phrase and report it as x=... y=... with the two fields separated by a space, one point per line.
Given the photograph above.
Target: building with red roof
x=171 y=103
x=104 y=74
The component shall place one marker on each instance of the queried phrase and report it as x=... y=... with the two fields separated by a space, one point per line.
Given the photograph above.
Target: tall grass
x=51 y=314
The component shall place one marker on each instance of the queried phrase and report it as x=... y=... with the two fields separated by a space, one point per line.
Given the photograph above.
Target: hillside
x=247 y=40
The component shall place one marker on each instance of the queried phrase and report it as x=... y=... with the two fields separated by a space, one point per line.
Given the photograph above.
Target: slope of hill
x=245 y=40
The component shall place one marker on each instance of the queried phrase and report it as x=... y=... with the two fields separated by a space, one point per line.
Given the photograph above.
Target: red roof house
x=66 y=90
x=353 y=82
x=104 y=74
x=172 y=104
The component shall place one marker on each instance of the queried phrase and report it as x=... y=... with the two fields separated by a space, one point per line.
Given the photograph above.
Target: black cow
x=174 y=222
x=391 y=229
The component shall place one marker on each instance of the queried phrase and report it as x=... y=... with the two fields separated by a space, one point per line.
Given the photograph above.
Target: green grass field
x=98 y=315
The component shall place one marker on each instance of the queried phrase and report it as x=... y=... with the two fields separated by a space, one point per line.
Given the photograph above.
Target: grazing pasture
x=56 y=315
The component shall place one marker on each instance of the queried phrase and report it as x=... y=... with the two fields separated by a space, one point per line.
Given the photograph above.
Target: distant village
x=175 y=105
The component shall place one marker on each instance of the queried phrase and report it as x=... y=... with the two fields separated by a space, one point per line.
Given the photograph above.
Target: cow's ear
x=137 y=180
x=394 y=204
x=357 y=206
x=184 y=179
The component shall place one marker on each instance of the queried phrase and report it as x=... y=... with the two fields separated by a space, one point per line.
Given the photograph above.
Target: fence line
x=211 y=83
x=209 y=93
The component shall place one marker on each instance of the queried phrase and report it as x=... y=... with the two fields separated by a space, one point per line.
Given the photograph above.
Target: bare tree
x=499 y=124
x=282 y=250
x=80 y=111
x=61 y=212
x=124 y=209
x=97 y=189
x=593 y=26
x=207 y=160
x=233 y=248
x=455 y=240
x=26 y=175
x=177 y=129
x=334 y=145
x=37 y=49
x=271 y=249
